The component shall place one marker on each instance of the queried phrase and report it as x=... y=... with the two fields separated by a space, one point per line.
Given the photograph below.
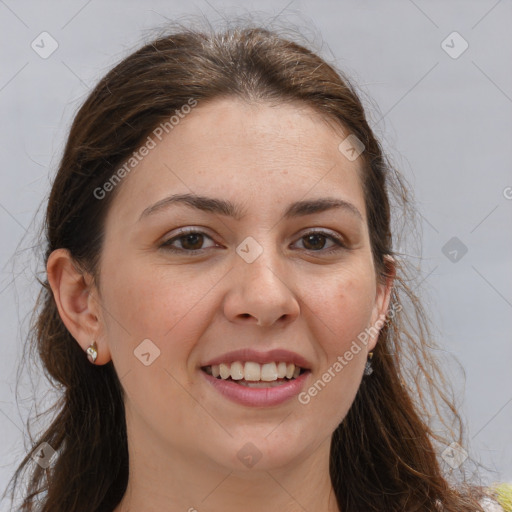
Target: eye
x=191 y=240
x=316 y=242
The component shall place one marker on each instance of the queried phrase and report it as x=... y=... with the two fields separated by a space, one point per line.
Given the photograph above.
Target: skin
x=183 y=435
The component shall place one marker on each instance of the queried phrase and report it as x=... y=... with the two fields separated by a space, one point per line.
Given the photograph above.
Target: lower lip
x=258 y=397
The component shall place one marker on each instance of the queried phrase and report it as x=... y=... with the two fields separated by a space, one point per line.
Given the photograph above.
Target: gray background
x=446 y=123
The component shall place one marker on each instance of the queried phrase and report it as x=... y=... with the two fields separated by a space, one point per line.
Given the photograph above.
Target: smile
x=258 y=385
x=251 y=372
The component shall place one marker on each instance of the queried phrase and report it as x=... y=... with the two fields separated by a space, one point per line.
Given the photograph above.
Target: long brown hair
x=385 y=453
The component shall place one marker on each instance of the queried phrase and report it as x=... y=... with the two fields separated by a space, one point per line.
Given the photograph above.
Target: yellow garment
x=503 y=494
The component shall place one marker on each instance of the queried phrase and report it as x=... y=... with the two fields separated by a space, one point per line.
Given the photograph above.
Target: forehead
x=246 y=152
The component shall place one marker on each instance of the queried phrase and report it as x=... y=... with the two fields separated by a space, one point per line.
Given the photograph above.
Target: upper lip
x=271 y=356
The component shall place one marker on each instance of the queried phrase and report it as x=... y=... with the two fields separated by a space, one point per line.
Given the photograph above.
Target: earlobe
x=79 y=310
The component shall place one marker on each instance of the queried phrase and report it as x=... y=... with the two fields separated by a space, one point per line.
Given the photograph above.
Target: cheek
x=153 y=314
x=340 y=318
x=343 y=307
x=338 y=315
x=154 y=300
x=154 y=317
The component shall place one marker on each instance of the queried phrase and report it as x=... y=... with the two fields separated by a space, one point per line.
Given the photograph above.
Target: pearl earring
x=92 y=352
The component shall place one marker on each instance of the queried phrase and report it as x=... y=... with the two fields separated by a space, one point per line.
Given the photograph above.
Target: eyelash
x=339 y=245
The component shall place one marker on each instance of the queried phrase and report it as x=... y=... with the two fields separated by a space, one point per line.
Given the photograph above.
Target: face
x=258 y=271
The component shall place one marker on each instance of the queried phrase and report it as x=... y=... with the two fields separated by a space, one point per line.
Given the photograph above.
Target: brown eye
x=192 y=241
x=189 y=240
x=316 y=240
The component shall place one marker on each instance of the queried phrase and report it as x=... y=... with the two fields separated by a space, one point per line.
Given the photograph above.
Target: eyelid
x=338 y=240
x=323 y=231
x=183 y=232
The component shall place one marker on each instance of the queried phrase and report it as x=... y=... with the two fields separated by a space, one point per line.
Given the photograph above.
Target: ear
x=77 y=302
x=382 y=299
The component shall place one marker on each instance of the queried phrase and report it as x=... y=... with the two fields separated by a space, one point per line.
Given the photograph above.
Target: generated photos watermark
x=137 y=156
x=343 y=360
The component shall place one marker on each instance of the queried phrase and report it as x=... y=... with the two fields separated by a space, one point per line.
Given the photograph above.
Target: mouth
x=257 y=379
x=255 y=375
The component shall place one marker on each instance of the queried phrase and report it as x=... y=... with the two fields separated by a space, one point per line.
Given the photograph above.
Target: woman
x=224 y=310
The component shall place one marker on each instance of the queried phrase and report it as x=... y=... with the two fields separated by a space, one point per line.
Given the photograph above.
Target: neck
x=170 y=480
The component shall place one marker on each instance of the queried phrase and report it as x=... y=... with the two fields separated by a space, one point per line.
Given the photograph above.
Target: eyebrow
x=227 y=208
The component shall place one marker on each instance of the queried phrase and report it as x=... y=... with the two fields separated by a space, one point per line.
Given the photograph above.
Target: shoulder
x=498 y=498
x=491 y=505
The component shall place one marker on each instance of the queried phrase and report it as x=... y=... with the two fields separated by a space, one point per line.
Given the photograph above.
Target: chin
x=260 y=449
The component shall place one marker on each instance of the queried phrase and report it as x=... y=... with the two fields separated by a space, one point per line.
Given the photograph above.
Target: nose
x=261 y=292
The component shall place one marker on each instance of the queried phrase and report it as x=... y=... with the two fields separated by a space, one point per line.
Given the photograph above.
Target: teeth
x=251 y=372
x=225 y=371
x=269 y=372
x=237 y=370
